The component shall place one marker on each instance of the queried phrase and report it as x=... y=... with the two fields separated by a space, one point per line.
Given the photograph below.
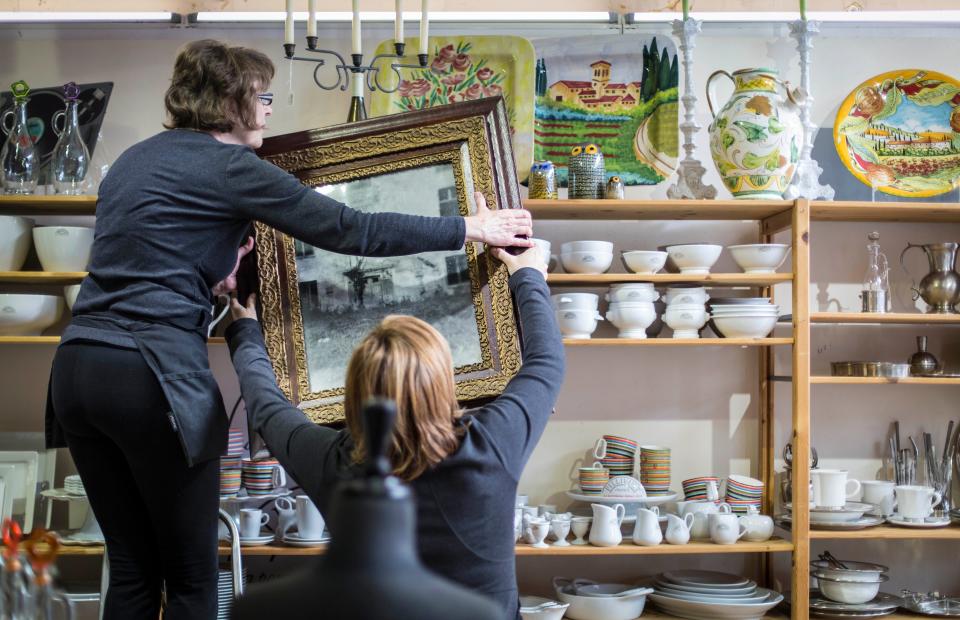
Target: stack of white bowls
x=577 y=314
x=744 y=317
x=586 y=256
x=686 y=311
x=631 y=308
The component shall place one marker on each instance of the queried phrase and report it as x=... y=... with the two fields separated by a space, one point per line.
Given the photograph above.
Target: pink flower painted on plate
x=404 y=88
x=492 y=91
x=447 y=54
x=419 y=88
x=474 y=92
x=485 y=73
x=453 y=80
x=439 y=65
x=461 y=62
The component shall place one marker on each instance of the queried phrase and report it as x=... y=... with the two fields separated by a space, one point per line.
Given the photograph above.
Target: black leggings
x=159 y=517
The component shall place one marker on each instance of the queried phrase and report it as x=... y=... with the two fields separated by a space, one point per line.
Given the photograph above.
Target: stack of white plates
x=225 y=592
x=294 y=540
x=882 y=605
x=73 y=485
x=709 y=595
x=753 y=317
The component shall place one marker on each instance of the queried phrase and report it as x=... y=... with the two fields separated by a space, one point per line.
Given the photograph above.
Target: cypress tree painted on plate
x=674 y=73
x=663 y=83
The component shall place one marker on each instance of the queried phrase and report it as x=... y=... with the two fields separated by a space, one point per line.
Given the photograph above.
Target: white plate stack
x=709 y=595
x=74 y=486
x=744 y=317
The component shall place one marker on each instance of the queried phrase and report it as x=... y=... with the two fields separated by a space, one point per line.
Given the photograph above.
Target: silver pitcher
x=941 y=287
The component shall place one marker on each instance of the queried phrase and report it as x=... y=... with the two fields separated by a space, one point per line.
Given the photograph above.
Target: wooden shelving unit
x=712 y=279
x=911 y=212
x=890 y=532
x=656 y=209
x=827 y=380
x=886 y=318
x=48 y=205
x=42 y=277
x=676 y=342
x=27 y=340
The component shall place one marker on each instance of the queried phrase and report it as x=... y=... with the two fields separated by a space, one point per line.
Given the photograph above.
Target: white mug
x=915 y=503
x=881 y=494
x=309 y=520
x=251 y=520
x=286 y=515
x=543 y=246
x=725 y=529
x=831 y=487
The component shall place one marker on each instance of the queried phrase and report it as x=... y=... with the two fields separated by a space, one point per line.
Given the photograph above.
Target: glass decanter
x=15 y=576
x=876 y=281
x=19 y=160
x=71 y=159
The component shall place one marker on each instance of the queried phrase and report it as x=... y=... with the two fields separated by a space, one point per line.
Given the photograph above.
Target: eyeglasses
x=265 y=98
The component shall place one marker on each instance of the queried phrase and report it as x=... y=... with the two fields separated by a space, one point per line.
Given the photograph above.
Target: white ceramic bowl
x=694 y=258
x=632 y=319
x=63 y=248
x=586 y=246
x=644 y=261
x=686 y=320
x=28 y=315
x=578 y=323
x=849 y=592
x=691 y=295
x=604 y=607
x=14 y=241
x=586 y=261
x=745 y=326
x=70 y=294
x=539 y=608
x=759 y=257
x=575 y=301
x=855 y=571
x=632 y=294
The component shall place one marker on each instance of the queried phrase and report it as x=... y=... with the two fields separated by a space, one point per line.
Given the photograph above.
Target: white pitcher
x=713 y=493
x=678 y=530
x=646 y=531
x=605 y=531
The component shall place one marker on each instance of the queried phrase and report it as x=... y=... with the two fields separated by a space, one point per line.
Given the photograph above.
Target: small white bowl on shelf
x=686 y=295
x=759 y=257
x=643 y=261
x=848 y=591
x=632 y=292
x=70 y=293
x=63 y=248
x=578 y=324
x=28 y=315
x=586 y=246
x=694 y=258
x=586 y=257
x=539 y=608
x=745 y=325
x=14 y=241
x=686 y=320
x=632 y=319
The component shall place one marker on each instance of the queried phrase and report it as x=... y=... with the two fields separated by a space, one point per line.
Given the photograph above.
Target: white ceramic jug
x=678 y=530
x=701 y=511
x=713 y=493
x=605 y=531
x=646 y=531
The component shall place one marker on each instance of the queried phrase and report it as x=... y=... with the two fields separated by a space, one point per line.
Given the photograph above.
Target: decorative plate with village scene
x=899 y=132
x=619 y=93
x=463 y=69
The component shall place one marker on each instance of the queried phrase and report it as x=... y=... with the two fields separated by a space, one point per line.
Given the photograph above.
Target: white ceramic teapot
x=758 y=527
x=700 y=510
x=646 y=531
x=605 y=531
x=678 y=530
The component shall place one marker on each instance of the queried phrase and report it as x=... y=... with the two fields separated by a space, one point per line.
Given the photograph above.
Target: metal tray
x=869 y=369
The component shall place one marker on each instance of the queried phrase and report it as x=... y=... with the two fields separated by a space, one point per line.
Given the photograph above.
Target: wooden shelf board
x=655 y=209
x=42 y=277
x=56 y=340
x=649 y=611
x=903 y=318
x=889 y=532
x=48 y=205
x=712 y=279
x=885 y=380
x=832 y=211
x=774 y=545
x=671 y=342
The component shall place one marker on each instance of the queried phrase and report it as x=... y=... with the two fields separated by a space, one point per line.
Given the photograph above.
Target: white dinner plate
x=294 y=540
x=716 y=610
x=649 y=500
x=256 y=541
x=705 y=579
x=928 y=523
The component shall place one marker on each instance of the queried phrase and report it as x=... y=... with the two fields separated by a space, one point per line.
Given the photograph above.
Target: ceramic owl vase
x=614 y=188
x=543 y=180
x=586 y=174
x=756 y=137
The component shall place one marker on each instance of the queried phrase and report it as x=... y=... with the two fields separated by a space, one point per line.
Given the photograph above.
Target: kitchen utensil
x=923 y=362
x=940 y=288
x=931 y=604
x=869 y=369
x=826 y=556
x=846 y=590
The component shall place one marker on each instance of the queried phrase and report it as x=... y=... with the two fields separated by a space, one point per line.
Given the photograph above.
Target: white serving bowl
x=604 y=603
x=63 y=248
x=691 y=295
x=539 y=608
x=70 y=294
x=586 y=261
x=694 y=258
x=745 y=326
x=575 y=301
x=686 y=319
x=28 y=315
x=586 y=246
x=578 y=323
x=14 y=241
x=855 y=571
x=846 y=591
x=759 y=257
x=632 y=319
x=643 y=261
x=632 y=294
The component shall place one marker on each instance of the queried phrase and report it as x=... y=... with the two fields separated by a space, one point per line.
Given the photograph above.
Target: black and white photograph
x=343 y=297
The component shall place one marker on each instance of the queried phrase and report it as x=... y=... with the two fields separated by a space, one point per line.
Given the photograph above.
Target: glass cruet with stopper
x=71 y=159
x=41 y=549
x=876 y=281
x=15 y=600
x=19 y=160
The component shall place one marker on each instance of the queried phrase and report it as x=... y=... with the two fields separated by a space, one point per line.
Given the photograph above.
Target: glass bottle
x=15 y=577
x=19 y=160
x=71 y=159
x=48 y=602
x=876 y=281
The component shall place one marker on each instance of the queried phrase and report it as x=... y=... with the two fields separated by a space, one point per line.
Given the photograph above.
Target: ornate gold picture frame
x=316 y=306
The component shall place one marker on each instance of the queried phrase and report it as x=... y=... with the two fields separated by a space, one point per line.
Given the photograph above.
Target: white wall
x=700 y=401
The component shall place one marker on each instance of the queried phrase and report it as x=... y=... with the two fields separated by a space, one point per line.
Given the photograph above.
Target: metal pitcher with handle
x=940 y=288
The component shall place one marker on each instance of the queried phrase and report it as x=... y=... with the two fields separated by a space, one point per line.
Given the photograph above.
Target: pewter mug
x=940 y=288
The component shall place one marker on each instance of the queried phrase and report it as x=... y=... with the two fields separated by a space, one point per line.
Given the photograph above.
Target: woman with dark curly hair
x=131 y=391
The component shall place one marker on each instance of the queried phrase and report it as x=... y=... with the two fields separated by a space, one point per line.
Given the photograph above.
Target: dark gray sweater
x=465 y=504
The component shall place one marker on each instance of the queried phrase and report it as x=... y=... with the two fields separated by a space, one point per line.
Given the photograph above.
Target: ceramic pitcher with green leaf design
x=756 y=137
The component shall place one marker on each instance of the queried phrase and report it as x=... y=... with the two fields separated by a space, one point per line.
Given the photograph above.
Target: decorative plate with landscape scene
x=619 y=93
x=464 y=69
x=899 y=132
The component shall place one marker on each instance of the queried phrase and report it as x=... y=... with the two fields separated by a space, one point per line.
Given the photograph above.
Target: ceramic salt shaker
x=759 y=528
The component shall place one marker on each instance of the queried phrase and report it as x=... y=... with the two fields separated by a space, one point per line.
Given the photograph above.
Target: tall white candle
x=312 y=18
x=398 y=23
x=356 y=27
x=424 y=35
x=288 y=24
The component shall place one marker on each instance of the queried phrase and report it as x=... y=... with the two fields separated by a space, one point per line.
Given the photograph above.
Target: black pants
x=159 y=517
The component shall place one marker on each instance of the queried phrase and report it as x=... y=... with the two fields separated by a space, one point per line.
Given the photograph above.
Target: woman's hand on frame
x=500 y=228
x=249 y=311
